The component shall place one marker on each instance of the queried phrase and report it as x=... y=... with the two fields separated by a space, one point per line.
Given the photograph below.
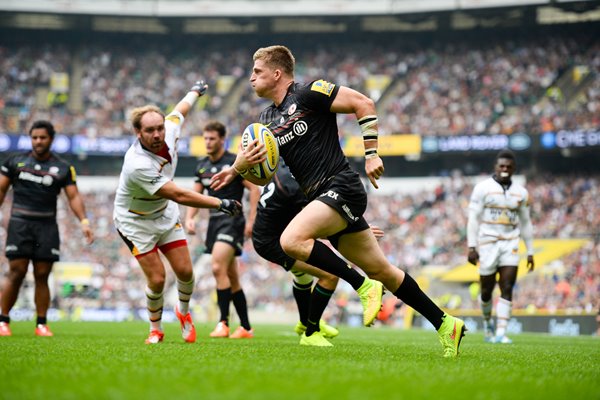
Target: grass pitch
x=110 y=361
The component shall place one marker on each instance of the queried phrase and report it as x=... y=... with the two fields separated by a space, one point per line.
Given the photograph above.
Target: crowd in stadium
x=422 y=229
x=439 y=89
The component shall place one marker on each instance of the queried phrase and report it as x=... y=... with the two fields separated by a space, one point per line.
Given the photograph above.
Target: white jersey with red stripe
x=143 y=174
x=497 y=212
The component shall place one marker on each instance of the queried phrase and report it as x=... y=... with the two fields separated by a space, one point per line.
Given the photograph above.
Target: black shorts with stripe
x=223 y=228
x=34 y=239
x=346 y=194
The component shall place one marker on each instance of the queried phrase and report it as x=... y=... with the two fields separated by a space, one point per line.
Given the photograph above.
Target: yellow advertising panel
x=393 y=145
x=198 y=149
x=353 y=146
x=72 y=271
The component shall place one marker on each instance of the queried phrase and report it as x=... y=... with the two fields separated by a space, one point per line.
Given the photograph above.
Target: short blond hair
x=277 y=57
x=139 y=112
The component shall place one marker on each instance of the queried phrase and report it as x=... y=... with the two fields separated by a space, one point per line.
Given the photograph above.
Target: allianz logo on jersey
x=298 y=129
x=45 y=180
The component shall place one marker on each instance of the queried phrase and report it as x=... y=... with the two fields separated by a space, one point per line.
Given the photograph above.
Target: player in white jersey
x=146 y=213
x=498 y=218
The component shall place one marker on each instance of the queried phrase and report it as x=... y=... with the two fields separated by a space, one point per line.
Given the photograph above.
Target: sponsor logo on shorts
x=56 y=252
x=225 y=237
x=12 y=247
x=331 y=194
x=349 y=213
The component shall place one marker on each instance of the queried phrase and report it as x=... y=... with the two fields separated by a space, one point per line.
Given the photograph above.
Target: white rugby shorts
x=501 y=253
x=145 y=234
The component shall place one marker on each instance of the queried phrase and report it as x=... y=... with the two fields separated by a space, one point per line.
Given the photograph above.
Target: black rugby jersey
x=206 y=169
x=307 y=134
x=282 y=198
x=37 y=184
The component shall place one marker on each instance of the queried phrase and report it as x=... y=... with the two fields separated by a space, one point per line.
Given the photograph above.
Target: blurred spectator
x=493 y=86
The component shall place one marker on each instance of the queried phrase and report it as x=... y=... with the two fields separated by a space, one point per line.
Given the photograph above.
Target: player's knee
x=292 y=246
x=486 y=294
x=41 y=276
x=156 y=282
x=219 y=268
x=16 y=276
x=506 y=291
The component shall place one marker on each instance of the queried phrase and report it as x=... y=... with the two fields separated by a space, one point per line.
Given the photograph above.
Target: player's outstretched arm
x=191 y=212
x=186 y=104
x=190 y=198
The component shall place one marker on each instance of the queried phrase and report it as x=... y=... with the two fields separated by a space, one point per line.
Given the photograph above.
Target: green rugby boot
x=370 y=294
x=451 y=333
x=316 y=339
x=328 y=331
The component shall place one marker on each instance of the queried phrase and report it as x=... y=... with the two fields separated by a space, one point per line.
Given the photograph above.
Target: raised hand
x=199 y=87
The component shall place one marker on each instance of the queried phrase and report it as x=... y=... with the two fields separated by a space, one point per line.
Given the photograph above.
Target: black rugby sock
x=5 y=318
x=223 y=299
x=411 y=294
x=318 y=301
x=324 y=258
x=41 y=320
x=241 y=307
x=302 y=296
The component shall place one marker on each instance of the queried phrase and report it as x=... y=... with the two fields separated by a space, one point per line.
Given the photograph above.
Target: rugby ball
x=266 y=169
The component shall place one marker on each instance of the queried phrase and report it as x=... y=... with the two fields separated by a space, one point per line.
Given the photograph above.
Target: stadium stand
x=490 y=86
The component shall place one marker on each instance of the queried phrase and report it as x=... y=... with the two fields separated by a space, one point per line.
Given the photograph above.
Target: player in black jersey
x=279 y=203
x=303 y=119
x=225 y=236
x=37 y=178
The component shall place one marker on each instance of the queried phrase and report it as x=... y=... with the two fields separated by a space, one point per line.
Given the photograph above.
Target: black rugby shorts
x=223 y=228
x=33 y=239
x=265 y=239
x=346 y=194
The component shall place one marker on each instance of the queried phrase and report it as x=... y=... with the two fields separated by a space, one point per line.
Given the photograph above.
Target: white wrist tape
x=370 y=153
x=367 y=127
x=190 y=98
